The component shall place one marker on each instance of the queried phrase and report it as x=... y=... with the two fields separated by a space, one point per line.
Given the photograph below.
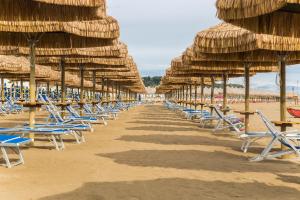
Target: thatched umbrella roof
x=51 y=10
x=227 y=38
x=115 y=50
x=277 y=17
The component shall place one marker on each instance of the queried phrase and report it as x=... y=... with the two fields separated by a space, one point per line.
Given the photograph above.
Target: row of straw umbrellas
x=254 y=38
x=72 y=43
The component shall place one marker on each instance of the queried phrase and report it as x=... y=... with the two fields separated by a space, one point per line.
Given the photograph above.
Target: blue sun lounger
x=53 y=134
x=12 y=142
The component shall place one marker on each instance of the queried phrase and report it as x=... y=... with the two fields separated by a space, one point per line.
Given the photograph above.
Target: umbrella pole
x=202 y=93
x=21 y=91
x=57 y=95
x=225 y=77
x=283 y=117
x=102 y=88
x=107 y=91
x=195 y=100
x=212 y=94
x=2 y=90
x=94 y=90
x=63 y=86
x=186 y=95
x=48 y=87
x=247 y=96
x=191 y=93
x=32 y=87
x=81 y=89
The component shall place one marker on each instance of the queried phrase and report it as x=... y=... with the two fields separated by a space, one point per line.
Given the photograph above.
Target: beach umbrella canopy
x=275 y=17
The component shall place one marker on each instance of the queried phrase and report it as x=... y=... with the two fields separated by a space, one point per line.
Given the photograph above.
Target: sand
x=149 y=153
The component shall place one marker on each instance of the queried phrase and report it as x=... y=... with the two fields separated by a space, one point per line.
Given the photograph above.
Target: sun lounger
x=289 y=139
x=12 y=142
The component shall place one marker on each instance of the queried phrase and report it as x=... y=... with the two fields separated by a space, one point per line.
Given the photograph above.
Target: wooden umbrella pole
x=183 y=94
x=191 y=94
x=196 y=96
x=21 y=91
x=225 y=77
x=63 y=81
x=212 y=93
x=2 y=90
x=119 y=92
x=32 y=87
x=81 y=89
x=94 y=86
x=57 y=90
x=107 y=90
x=48 y=88
x=247 y=95
x=282 y=91
x=102 y=92
x=202 y=93
x=283 y=118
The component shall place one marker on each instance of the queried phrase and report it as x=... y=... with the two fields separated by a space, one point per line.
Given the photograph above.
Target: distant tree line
x=155 y=81
x=231 y=85
x=152 y=81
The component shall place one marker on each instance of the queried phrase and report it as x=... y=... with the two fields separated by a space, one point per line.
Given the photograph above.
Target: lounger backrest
x=268 y=124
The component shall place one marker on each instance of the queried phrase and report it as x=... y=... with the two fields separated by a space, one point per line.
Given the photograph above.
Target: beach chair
x=289 y=139
x=230 y=122
x=54 y=135
x=112 y=113
x=13 y=143
x=88 y=112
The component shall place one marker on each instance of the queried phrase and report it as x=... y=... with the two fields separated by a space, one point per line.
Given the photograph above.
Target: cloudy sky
x=158 y=30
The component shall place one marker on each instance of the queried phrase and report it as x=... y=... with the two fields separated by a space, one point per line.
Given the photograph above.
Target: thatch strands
x=117 y=50
x=227 y=38
x=83 y=3
x=29 y=10
x=277 y=17
x=103 y=28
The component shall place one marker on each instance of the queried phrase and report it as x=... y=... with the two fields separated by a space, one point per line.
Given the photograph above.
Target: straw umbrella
x=260 y=16
x=230 y=40
x=38 y=22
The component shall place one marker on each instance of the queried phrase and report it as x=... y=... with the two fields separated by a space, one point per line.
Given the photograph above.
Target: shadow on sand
x=177 y=189
x=181 y=140
x=199 y=160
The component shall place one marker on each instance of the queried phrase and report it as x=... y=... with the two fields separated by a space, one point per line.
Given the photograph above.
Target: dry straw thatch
x=221 y=67
x=86 y=60
x=227 y=38
x=27 y=10
x=277 y=17
x=107 y=27
x=117 y=50
x=85 y=3
x=191 y=56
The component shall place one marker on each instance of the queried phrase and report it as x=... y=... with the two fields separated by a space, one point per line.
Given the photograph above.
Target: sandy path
x=150 y=153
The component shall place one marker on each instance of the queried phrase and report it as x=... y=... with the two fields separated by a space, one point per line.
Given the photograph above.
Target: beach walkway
x=149 y=153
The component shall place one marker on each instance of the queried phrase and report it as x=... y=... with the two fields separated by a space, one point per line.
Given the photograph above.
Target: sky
x=156 y=31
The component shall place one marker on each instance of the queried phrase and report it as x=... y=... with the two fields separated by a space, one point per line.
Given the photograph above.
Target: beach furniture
x=289 y=139
x=54 y=135
x=12 y=142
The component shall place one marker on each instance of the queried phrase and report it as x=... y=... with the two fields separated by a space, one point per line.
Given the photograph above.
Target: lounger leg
x=104 y=122
x=55 y=142
x=74 y=133
x=265 y=152
x=81 y=136
x=62 y=144
x=5 y=156
x=21 y=158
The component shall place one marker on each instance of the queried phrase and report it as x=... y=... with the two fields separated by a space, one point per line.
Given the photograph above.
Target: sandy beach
x=150 y=153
